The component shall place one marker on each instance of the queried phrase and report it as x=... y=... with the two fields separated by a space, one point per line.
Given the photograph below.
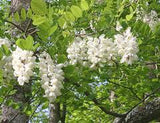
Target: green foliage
x=55 y=25
x=39 y=7
x=23 y=14
x=84 y=5
x=25 y=44
x=76 y=11
x=16 y=17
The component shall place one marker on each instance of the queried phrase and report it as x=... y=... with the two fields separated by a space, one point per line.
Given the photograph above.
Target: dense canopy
x=79 y=61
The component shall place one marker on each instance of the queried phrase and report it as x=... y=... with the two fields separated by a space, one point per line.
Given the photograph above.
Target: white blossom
x=127 y=46
x=23 y=64
x=77 y=51
x=51 y=75
x=4 y=41
x=150 y=18
x=91 y=51
x=100 y=50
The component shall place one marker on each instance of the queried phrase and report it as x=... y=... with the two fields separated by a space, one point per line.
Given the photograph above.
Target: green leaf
x=5 y=50
x=39 y=20
x=76 y=11
x=16 y=17
x=1 y=99
x=65 y=33
x=84 y=5
x=52 y=30
x=23 y=14
x=15 y=106
x=25 y=44
x=50 y=13
x=29 y=42
x=29 y=13
x=39 y=7
x=36 y=46
x=62 y=22
x=69 y=17
x=129 y=17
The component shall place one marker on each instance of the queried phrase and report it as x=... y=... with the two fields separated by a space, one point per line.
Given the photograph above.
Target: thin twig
x=34 y=31
x=18 y=27
x=28 y=24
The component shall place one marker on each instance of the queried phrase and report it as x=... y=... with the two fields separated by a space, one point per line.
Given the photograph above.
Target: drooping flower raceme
x=51 y=75
x=23 y=64
x=127 y=46
x=77 y=51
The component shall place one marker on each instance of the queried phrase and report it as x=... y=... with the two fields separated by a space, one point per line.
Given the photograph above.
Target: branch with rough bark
x=142 y=114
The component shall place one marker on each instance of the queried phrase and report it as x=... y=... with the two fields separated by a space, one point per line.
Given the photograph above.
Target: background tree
x=121 y=89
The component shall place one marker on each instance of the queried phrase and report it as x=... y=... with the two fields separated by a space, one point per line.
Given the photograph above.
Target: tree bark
x=142 y=114
x=54 y=115
x=10 y=115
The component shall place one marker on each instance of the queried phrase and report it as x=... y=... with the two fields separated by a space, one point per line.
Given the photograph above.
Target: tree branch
x=145 y=113
x=142 y=114
x=104 y=109
x=143 y=100
x=17 y=26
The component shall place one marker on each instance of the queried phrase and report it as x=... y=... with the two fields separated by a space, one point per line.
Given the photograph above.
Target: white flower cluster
x=23 y=64
x=91 y=51
x=6 y=62
x=100 y=50
x=126 y=46
x=51 y=75
x=97 y=51
x=4 y=41
x=150 y=18
x=77 y=52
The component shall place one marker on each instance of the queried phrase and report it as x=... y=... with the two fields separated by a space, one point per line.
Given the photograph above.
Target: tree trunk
x=54 y=115
x=10 y=115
